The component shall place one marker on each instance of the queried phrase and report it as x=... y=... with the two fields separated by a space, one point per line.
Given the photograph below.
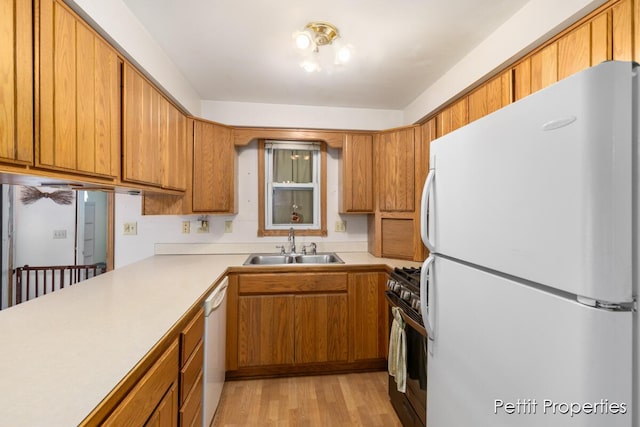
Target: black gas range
x=403 y=291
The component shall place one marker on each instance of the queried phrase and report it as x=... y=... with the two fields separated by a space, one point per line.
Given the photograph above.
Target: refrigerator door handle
x=424 y=210
x=425 y=286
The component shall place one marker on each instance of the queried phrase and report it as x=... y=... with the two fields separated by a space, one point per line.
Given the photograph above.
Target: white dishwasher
x=215 y=335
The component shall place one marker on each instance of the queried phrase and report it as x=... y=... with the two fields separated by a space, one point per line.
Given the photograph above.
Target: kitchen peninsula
x=66 y=354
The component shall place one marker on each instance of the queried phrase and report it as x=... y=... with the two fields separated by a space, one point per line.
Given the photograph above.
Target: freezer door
x=506 y=354
x=543 y=189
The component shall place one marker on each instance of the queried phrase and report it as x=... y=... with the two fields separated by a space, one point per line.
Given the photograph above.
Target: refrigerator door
x=543 y=189
x=506 y=354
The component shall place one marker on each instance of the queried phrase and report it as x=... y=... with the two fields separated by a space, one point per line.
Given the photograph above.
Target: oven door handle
x=425 y=286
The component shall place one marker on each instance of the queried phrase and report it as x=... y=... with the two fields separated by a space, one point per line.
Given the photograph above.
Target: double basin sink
x=274 y=259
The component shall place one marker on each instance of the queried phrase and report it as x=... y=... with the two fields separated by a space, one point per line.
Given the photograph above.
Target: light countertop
x=62 y=353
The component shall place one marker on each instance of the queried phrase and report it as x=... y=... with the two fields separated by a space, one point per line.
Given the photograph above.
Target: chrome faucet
x=292 y=240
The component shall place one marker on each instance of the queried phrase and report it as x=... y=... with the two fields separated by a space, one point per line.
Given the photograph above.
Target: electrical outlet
x=59 y=234
x=341 y=226
x=130 y=228
x=204 y=226
x=186 y=227
x=228 y=226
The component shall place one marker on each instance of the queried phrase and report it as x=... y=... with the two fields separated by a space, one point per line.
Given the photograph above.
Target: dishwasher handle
x=215 y=299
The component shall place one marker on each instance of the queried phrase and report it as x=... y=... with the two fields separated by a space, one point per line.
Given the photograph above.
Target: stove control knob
x=415 y=304
x=405 y=295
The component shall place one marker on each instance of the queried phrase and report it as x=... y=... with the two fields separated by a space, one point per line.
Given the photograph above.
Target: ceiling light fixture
x=316 y=34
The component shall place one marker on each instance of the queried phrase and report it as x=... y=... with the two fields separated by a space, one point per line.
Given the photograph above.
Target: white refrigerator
x=532 y=216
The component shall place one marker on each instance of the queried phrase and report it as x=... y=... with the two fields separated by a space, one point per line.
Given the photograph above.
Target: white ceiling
x=235 y=50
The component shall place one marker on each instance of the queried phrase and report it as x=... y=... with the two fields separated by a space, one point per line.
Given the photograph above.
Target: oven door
x=411 y=406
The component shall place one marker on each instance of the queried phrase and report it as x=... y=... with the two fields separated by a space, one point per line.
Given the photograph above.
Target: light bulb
x=303 y=41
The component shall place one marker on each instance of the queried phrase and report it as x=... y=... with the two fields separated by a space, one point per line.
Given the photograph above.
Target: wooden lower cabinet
x=321 y=328
x=305 y=322
x=165 y=414
x=152 y=398
x=265 y=330
x=369 y=330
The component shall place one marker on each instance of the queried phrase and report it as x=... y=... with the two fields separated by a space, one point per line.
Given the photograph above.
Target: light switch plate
x=59 y=234
x=130 y=228
x=341 y=226
x=228 y=226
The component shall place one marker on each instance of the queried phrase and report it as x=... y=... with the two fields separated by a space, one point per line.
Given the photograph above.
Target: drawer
x=191 y=336
x=291 y=283
x=191 y=411
x=190 y=371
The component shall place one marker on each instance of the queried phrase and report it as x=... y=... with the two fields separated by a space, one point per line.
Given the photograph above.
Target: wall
x=534 y=23
x=34 y=225
x=254 y=114
x=124 y=30
x=160 y=231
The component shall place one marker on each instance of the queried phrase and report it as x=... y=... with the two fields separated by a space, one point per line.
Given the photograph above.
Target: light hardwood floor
x=328 y=400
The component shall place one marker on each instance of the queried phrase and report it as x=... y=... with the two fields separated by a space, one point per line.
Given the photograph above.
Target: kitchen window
x=293 y=187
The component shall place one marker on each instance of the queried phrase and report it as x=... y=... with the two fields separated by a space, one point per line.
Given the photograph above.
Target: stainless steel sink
x=273 y=259
x=328 y=258
x=266 y=259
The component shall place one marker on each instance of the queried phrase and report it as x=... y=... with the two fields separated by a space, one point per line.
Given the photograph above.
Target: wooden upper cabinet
x=214 y=161
x=357 y=174
x=453 y=117
x=489 y=97
x=174 y=142
x=142 y=148
x=574 y=51
x=396 y=179
x=544 y=66
x=601 y=38
x=78 y=90
x=622 y=21
x=16 y=84
x=587 y=45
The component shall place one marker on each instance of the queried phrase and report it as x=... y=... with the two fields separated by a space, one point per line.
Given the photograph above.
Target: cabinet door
x=369 y=320
x=357 y=174
x=16 y=84
x=486 y=99
x=142 y=151
x=396 y=151
x=622 y=15
x=265 y=330
x=213 y=168
x=166 y=414
x=174 y=141
x=321 y=328
x=574 y=51
x=79 y=95
x=140 y=403
x=544 y=66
